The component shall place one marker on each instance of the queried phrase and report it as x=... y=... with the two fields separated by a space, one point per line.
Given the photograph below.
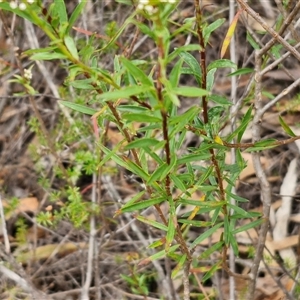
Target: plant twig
x=92 y=244
x=264 y=184
x=274 y=34
x=3 y=228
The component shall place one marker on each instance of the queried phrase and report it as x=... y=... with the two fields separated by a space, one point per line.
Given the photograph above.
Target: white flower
x=149 y=8
x=22 y=6
x=30 y=1
x=13 y=4
x=27 y=74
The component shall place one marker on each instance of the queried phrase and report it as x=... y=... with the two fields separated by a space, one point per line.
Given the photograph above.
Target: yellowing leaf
x=193 y=213
x=229 y=33
x=218 y=140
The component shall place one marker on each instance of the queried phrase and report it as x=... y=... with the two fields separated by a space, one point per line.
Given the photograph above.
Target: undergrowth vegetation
x=180 y=189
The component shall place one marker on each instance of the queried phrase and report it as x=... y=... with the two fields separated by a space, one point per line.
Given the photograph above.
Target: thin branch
x=4 y=229
x=92 y=244
x=264 y=184
x=281 y=95
x=274 y=34
x=185 y=280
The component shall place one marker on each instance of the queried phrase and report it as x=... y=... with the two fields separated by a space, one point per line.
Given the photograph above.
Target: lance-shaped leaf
x=179 y=266
x=206 y=234
x=193 y=64
x=212 y=271
x=142 y=204
x=79 y=107
x=152 y=223
x=158 y=255
x=230 y=33
x=286 y=127
x=124 y=92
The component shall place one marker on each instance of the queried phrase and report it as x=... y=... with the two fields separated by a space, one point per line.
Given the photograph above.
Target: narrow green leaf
x=211 y=250
x=152 y=223
x=208 y=188
x=141 y=118
x=252 y=42
x=286 y=127
x=158 y=255
x=189 y=71
x=265 y=143
x=243 y=126
x=186 y=116
x=171 y=231
x=214 y=113
x=210 y=78
x=205 y=235
x=178 y=182
x=234 y=244
x=141 y=143
x=128 y=20
x=137 y=170
x=189 y=91
x=175 y=73
x=83 y=84
x=216 y=214
x=226 y=232
x=236 y=197
x=179 y=266
x=239 y=210
x=193 y=64
x=128 y=279
x=124 y=92
x=142 y=204
x=134 y=199
x=219 y=100
x=212 y=271
x=249 y=226
x=193 y=157
x=61 y=11
x=211 y=28
x=212 y=204
x=205 y=175
x=221 y=63
x=70 y=44
x=183 y=49
x=111 y=154
x=268 y=95
x=195 y=223
x=169 y=168
x=138 y=74
x=146 y=30
x=157 y=243
x=75 y=14
x=157 y=173
x=47 y=56
x=79 y=107
x=154 y=155
x=241 y=71
x=132 y=108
